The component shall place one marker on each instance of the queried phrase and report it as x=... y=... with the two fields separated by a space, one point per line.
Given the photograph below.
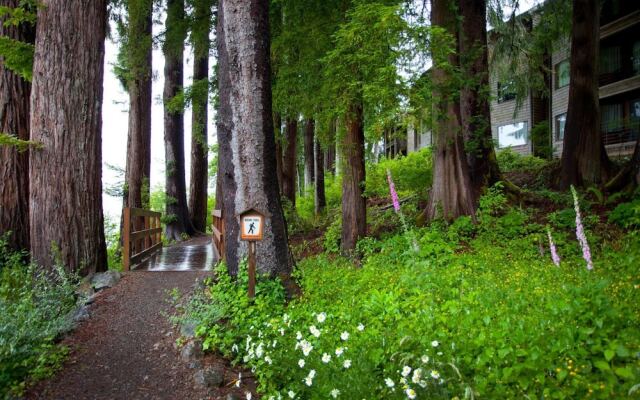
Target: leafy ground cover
x=478 y=311
x=34 y=310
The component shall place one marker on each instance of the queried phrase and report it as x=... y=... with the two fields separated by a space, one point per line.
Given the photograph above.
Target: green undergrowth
x=478 y=311
x=34 y=311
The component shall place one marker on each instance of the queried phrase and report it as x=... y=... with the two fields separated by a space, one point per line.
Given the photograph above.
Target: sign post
x=251 y=230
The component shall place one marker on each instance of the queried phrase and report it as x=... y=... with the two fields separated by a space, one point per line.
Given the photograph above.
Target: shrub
x=411 y=174
x=627 y=215
x=34 y=310
x=509 y=161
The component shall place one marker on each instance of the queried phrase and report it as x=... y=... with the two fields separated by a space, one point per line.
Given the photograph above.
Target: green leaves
x=21 y=145
x=17 y=56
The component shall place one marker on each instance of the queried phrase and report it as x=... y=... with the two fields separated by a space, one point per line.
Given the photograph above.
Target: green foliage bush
x=627 y=215
x=411 y=174
x=34 y=310
x=492 y=319
x=509 y=161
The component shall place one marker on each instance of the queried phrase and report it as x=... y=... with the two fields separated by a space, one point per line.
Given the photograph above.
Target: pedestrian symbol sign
x=251 y=225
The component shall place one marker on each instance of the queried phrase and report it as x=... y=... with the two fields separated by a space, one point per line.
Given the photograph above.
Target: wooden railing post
x=126 y=240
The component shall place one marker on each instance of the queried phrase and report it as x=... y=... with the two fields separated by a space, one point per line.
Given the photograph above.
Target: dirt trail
x=126 y=349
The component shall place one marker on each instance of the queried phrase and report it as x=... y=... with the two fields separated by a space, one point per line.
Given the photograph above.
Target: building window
x=612 y=115
x=610 y=60
x=562 y=74
x=636 y=58
x=506 y=91
x=512 y=135
x=561 y=120
x=635 y=109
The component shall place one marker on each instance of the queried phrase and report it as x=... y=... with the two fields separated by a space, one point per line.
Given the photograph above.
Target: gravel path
x=126 y=349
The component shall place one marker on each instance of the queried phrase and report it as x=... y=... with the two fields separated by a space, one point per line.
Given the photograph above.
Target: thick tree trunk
x=584 y=159
x=451 y=193
x=177 y=213
x=474 y=96
x=14 y=119
x=199 y=131
x=138 y=168
x=277 y=126
x=245 y=99
x=320 y=201
x=66 y=220
x=354 y=212
x=289 y=164
x=309 y=129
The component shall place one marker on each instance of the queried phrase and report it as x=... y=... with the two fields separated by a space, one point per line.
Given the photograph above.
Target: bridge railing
x=218 y=234
x=142 y=235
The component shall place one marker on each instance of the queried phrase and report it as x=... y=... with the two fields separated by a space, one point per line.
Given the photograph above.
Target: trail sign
x=251 y=228
x=251 y=225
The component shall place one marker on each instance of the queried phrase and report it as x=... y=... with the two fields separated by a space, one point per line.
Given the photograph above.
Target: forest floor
x=127 y=349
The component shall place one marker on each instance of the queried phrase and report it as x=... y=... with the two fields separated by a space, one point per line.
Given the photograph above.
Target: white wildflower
x=339 y=351
x=259 y=350
x=425 y=359
x=435 y=374
x=344 y=335
x=314 y=331
x=346 y=364
x=268 y=360
x=406 y=370
x=306 y=347
x=301 y=363
x=321 y=317
x=234 y=348
x=411 y=394
x=298 y=335
x=291 y=394
x=248 y=394
x=435 y=343
x=281 y=331
x=326 y=358
x=417 y=375
x=389 y=382
x=360 y=327
x=335 y=393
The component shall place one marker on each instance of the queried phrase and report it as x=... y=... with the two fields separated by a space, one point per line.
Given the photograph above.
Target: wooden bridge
x=143 y=249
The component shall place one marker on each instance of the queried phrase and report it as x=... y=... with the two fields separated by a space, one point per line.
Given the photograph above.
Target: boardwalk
x=126 y=349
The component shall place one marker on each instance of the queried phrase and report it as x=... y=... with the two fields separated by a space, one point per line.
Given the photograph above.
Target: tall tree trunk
x=354 y=212
x=451 y=193
x=65 y=185
x=474 y=96
x=199 y=131
x=277 y=126
x=245 y=95
x=309 y=129
x=330 y=153
x=320 y=201
x=177 y=213
x=14 y=119
x=584 y=159
x=138 y=168
x=289 y=164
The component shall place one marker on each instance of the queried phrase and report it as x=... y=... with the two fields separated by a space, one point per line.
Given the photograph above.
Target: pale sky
x=115 y=109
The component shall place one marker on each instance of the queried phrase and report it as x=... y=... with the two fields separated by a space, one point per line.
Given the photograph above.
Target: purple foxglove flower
x=394 y=194
x=552 y=247
x=582 y=238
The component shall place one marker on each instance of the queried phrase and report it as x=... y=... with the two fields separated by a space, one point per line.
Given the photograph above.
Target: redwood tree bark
x=451 y=193
x=330 y=153
x=66 y=174
x=199 y=131
x=584 y=159
x=475 y=112
x=309 y=128
x=177 y=212
x=277 y=126
x=354 y=212
x=14 y=165
x=289 y=165
x=320 y=200
x=138 y=168
x=245 y=99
